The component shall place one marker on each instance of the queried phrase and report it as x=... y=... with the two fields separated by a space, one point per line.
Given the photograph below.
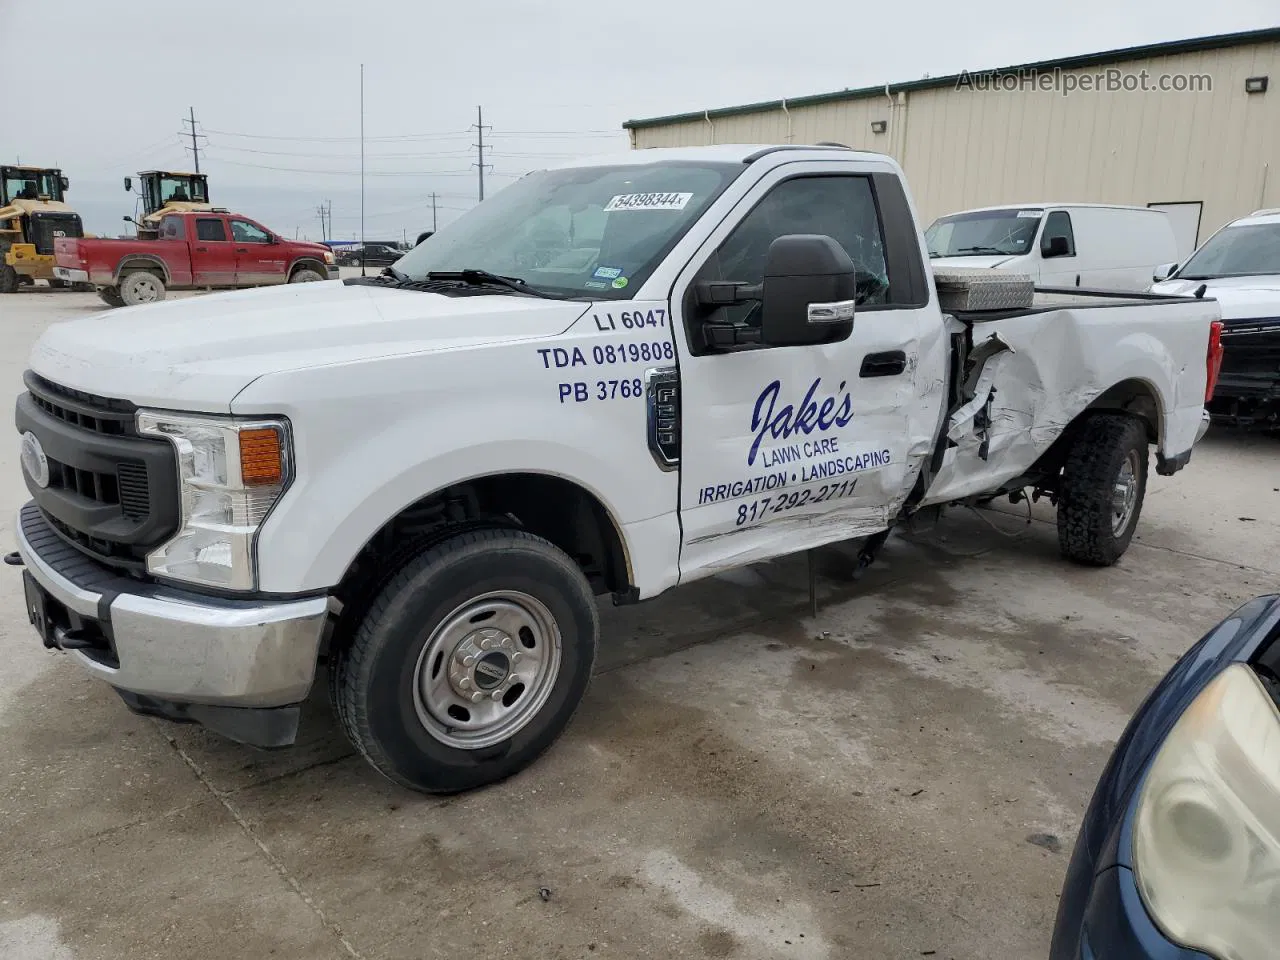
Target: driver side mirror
x=807 y=297
x=64 y=182
x=1055 y=247
x=128 y=184
x=1164 y=271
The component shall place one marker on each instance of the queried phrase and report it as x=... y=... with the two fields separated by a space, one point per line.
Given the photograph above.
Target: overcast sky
x=275 y=83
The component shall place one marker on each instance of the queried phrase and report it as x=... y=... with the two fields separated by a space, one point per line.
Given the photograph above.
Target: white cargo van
x=1086 y=245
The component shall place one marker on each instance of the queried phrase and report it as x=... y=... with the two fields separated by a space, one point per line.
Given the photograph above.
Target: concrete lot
x=900 y=777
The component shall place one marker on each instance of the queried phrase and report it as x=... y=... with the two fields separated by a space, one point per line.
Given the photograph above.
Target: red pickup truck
x=195 y=251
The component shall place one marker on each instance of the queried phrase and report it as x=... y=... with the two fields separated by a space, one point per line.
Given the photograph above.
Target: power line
x=356 y=173
x=346 y=156
x=407 y=136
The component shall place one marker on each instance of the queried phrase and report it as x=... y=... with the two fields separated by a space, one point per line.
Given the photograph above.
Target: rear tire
x=305 y=276
x=8 y=279
x=1104 y=482
x=469 y=663
x=111 y=296
x=141 y=286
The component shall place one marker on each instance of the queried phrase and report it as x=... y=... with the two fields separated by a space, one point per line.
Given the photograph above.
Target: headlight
x=1206 y=840
x=232 y=472
x=328 y=256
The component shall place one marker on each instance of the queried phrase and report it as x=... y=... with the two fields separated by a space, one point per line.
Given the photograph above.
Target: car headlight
x=1206 y=839
x=231 y=472
x=328 y=256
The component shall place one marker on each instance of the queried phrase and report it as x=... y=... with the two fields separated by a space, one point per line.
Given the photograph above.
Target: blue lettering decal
x=785 y=422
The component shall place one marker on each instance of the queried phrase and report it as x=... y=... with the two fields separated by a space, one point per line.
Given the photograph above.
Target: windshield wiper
x=474 y=277
x=983 y=250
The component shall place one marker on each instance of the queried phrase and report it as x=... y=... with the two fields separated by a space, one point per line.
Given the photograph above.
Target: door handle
x=202 y=249
x=242 y=249
x=887 y=364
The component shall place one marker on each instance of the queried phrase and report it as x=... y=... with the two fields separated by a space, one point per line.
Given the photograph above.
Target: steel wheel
x=1124 y=494
x=487 y=669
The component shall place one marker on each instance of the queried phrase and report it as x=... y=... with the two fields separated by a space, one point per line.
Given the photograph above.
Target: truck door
x=784 y=448
x=213 y=255
x=259 y=261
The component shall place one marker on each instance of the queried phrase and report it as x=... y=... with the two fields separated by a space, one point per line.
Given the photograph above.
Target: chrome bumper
x=180 y=646
x=1203 y=428
x=71 y=276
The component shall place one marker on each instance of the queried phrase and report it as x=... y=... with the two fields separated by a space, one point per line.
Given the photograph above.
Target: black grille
x=113 y=418
x=111 y=493
x=46 y=227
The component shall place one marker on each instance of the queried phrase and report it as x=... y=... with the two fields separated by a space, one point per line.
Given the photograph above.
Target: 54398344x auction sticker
x=648 y=201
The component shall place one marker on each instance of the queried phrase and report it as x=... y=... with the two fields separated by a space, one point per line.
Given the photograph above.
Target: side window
x=210 y=230
x=1057 y=224
x=171 y=228
x=242 y=231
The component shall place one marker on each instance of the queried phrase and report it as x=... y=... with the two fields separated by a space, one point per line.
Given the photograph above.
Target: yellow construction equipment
x=165 y=191
x=32 y=215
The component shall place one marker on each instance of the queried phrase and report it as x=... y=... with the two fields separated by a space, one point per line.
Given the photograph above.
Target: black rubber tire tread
x=354 y=687
x=111 y=296
x=8 y=279
x=1088 y=478
x=305 y=275
x=128 y=278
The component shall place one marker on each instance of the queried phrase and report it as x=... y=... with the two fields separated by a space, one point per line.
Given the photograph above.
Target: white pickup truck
x=608 y=379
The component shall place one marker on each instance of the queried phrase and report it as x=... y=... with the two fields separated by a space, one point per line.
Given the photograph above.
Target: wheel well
x=1132 y=397
x=305 y=264
x=553 y=508
x=133 y=264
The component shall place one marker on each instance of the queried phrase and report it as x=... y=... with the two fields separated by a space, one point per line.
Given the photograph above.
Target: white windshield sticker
x=648 y=201
x=1030 y=213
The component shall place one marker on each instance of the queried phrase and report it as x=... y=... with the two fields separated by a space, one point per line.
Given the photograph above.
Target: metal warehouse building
x=1191 y=126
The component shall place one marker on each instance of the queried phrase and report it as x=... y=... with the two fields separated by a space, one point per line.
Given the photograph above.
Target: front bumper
x=174 y=646
x=333 y=271
x=71 y=276
x=1118 y=927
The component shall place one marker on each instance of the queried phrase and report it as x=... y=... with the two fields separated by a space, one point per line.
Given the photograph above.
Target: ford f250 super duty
x=608 y=379
x=214 y=250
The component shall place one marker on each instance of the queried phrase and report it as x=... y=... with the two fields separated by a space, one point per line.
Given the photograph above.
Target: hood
x=197 y=353
x=1241 y=298
x=975 y=263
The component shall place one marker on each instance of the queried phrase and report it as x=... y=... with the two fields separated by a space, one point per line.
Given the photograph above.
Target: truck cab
x=33 y=213
x=164 y=191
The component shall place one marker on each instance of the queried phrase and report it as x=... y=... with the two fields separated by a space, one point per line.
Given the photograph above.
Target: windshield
x=182 y=189
x=581 y=231
x=983 y=233
x=31 y=184
x=1247 y=250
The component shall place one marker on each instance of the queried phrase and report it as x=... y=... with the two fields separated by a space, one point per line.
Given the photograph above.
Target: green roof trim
x=1168 y=48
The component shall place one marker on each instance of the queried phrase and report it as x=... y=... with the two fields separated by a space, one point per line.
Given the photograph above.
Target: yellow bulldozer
x=164 y=191
x=33 y=213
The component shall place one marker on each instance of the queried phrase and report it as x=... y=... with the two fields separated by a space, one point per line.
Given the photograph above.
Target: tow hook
x=68 y=640
x=13 y=559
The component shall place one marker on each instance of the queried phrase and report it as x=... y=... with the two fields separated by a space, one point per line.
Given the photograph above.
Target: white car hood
x=976 y=263
x=1241 y=298
x=199 y=352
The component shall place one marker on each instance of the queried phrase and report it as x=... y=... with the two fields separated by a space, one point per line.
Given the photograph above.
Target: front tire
x=305 y=276
x=1104 y=483
x=469 y=663
x=141 y=286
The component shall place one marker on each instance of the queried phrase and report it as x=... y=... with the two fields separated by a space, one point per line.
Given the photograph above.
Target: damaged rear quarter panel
x=1059 y=362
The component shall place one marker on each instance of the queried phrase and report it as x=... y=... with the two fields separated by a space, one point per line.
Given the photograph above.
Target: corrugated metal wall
x=969 y=148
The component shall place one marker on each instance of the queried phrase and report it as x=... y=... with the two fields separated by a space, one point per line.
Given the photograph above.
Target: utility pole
x=195 y=147
x=480 y=128
x=325 y=215
x=433 y=212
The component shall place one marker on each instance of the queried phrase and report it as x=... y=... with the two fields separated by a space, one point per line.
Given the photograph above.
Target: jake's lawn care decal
x=648 y=201
x=800 y=445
